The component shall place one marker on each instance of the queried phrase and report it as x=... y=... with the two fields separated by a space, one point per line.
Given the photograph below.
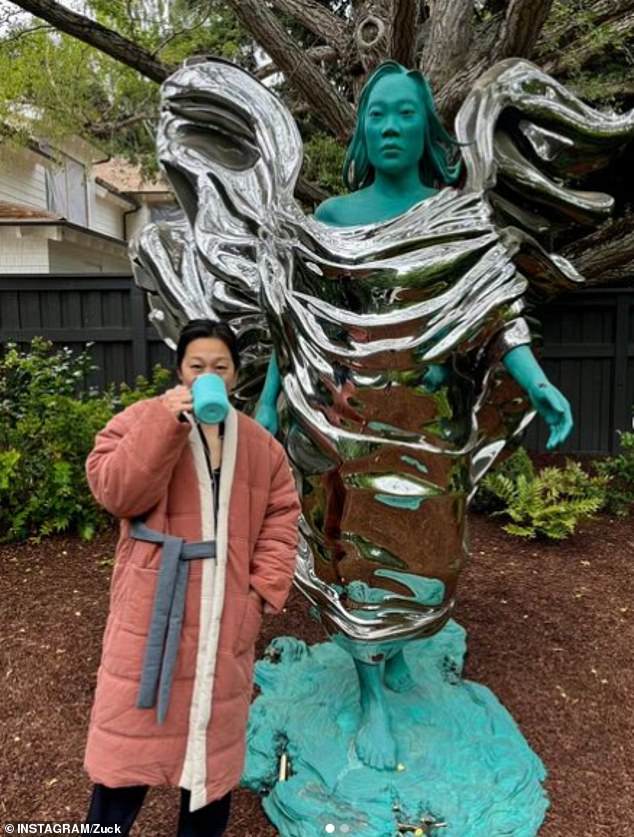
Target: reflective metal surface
x=388 y=335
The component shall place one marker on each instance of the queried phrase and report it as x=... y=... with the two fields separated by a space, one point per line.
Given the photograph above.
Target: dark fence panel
x=588 y=353
x=588 y=347
x=72 y=310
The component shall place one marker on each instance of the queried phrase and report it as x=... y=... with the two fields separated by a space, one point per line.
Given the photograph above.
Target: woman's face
x=207 y=354
x=394 y=124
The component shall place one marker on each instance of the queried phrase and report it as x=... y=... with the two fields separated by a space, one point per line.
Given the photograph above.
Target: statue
x=392 y=321
x=398 y=152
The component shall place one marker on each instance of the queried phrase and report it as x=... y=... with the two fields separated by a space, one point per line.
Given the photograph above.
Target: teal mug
x=211 y=403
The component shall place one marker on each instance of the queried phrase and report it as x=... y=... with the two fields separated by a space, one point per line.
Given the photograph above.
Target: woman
x=207 y=542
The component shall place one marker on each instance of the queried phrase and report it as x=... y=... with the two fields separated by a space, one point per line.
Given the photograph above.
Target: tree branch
x=403 y=30
x=318 y=20
x=316 y=54
x=98 y=36
x=299 y=70
x=309 y=193
x=449 y=38
x=186 y=29
x=520 y=29
x=606 y=253
x=21 y=33
x=104 y=129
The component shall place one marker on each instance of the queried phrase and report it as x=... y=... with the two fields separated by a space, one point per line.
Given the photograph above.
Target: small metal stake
x=283 y=774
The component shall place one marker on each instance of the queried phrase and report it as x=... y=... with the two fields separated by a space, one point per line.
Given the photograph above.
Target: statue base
x=464 y=769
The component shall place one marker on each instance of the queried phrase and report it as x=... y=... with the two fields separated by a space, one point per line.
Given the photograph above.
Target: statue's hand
x=266 y=415
x=554 y=408
x=435 y=377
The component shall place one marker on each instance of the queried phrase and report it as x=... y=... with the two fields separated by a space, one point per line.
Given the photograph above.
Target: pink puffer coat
x=146 y=462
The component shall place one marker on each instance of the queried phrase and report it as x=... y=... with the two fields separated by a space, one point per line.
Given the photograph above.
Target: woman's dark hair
x=196 y=329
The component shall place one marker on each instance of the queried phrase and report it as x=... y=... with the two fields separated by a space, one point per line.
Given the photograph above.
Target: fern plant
x=549 y=504
x=513 y=466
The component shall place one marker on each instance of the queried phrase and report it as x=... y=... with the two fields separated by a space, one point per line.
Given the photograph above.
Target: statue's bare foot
x=397 y=675
x=374 y=742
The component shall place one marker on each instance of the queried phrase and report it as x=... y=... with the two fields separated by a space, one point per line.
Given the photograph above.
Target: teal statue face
x=404 y=116
x=395 y=125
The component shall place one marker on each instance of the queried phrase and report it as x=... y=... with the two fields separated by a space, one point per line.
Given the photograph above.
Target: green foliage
x=323 y=163
x=48 y=423
x=65 y=87
x=620 y=470
x=550 y=503
x=161 y=379
x=516 y=465
x=593 y=50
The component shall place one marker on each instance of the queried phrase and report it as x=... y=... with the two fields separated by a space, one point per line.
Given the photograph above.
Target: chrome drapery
x=388 y=335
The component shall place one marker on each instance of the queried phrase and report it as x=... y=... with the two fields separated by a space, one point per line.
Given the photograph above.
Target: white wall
x=22 y=255
x=22 y=177
x=107 y=217
x=137 y=220
x=65 y=257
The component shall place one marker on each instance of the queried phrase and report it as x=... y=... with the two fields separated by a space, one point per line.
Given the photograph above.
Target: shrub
x=620 y=470
x=518 y=463
x=47 y=428
x=550 y=503
x=161 y=379
x=323 y=162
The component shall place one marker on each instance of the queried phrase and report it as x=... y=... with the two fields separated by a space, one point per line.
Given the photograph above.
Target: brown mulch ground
x=550 y=632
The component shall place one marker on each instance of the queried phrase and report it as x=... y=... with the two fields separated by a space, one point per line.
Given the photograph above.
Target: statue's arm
x=266 y=411
x=550 y=403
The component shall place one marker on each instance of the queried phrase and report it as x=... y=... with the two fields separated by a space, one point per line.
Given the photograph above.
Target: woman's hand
x=554 y=408
x=178 y=400
x=266 y=415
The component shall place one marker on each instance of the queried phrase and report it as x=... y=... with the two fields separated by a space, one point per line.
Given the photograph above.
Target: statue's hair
x=438 y=165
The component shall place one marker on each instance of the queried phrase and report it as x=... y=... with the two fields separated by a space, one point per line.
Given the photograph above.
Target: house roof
x=19 y=215
x=125 y=196
x=127 y=178
x=19 y=212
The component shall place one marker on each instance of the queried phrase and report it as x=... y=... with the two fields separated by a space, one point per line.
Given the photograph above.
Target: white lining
x=194 y=773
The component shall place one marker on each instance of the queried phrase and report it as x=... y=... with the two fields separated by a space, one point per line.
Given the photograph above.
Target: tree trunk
x=371 y=24
x=318 y=20
x=448 y=39
x=308 y=81
x=403 y=29
x=520 y=30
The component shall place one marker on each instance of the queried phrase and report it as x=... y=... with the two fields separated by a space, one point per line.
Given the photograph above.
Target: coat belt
x=167 y=614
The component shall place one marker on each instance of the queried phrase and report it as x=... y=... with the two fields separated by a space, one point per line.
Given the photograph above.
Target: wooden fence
x=588 y=353
x=71 y=310
x=588 y=343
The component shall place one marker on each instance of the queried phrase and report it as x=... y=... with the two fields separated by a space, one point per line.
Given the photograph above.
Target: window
x=66 y=189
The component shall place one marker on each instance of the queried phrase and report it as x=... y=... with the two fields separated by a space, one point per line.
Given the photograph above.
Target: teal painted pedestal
x=462 y=759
